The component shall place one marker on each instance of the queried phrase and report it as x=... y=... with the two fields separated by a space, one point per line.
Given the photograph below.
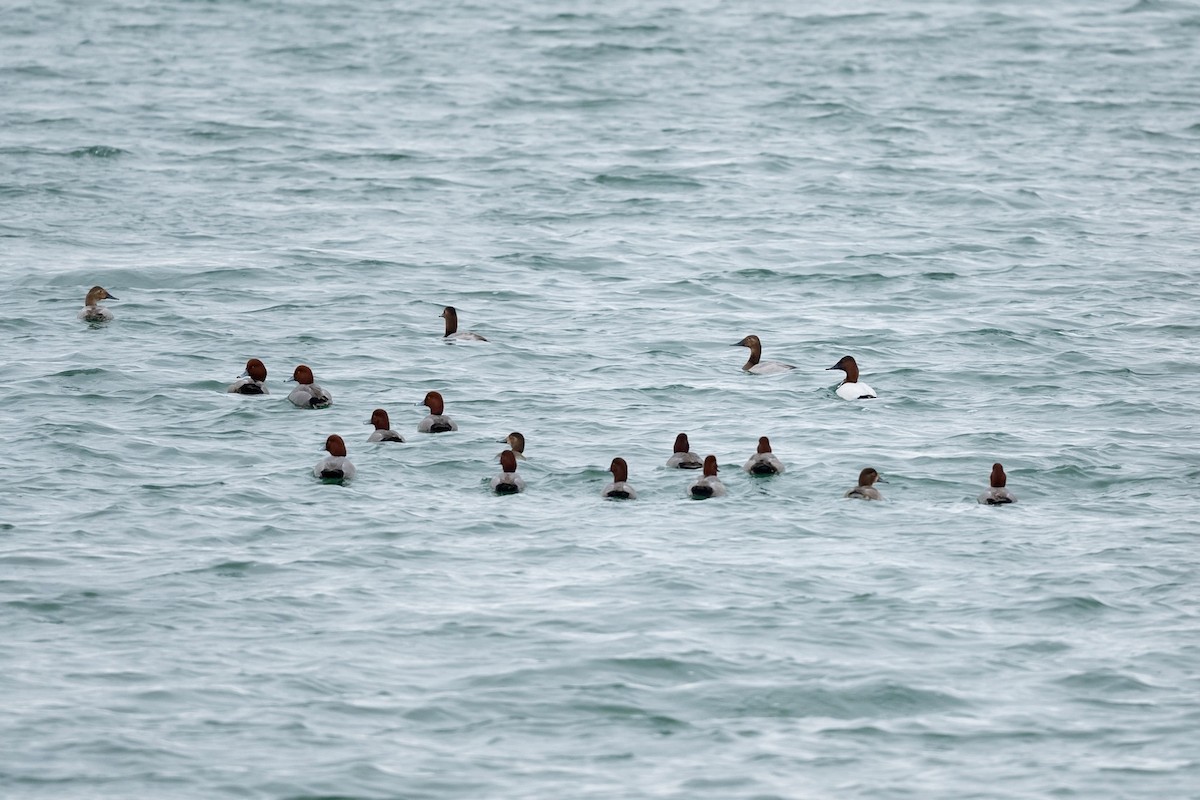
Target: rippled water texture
x=990 y=205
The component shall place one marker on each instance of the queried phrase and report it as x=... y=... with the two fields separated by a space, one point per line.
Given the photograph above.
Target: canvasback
x=436 y=421
x=754 y=364
x=997 y=495
x=851 y=388
x=453 y=333
x=708 y=484
x=92 y=310
x=516 y=443
x=508 y=481
x=252 y=381
x=335 y=466
x=383 y=428
x=308 y=394
x=619 y=489
x=764 y=462
x=683 y=457
x=866 y=489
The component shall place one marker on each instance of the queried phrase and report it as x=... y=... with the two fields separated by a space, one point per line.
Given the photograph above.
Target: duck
x=92 y=310
x=764 y=462
x=997 y=494
x=383 y=428
x=516 y=443
x=436 y=421
x=851 y=388
x=335 y=466
x=683 y=458
x=308 y=394
x=450 y=314
x=252 y=381
x=754 y=364
x=619 y=489
x=508 y=481
x=866 y=489
x=708 y=484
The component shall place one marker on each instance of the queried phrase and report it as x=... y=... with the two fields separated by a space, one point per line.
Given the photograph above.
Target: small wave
x=756 y=272
x=1041 y=647
x=1073 y=605
x=575 y=52
x=632 y=714
x=875 y=699
x=664 y=180
x=70 y=373
x=235 y=569
x=1107 y=681
x=1147 y=6
x=98 y=151
x=32 y=71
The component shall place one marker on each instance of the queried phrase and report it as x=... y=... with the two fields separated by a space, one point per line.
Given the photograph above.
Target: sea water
x=990 y=205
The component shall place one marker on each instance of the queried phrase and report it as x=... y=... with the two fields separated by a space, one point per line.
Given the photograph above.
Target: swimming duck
x=997 y=495
x=436 y=421
x=708 y=485
x=851 y=388
x=383 y=428
x=508 y=481
x=754 y=364
x=683 y=458
x=516 y=442
x=252 y=381
x=92 y=310
x=619 y=489
x=764 y=462
x=452 y=332
x=335 y=466
x=308 y=394
x=866 y=489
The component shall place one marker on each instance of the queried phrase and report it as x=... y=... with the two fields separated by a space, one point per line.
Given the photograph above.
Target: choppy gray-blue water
x=991 y=205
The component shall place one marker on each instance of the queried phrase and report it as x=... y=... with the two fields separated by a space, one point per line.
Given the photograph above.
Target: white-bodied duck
x=852 y=388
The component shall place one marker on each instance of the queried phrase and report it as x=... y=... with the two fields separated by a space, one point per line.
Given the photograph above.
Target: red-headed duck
x=866 y=486
x=998 y=494
x=708 y=485
x=252 y=381
x=436 y=421
x=508 y=481
x=308 y=394
x=452 y=332
x=764 y=462
x=516 y=443
x=335 y=466
x=851 y=388
x=383 y=428
x=619 y=489
x=92 y=310
x=683 y=457
x=755 y=364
